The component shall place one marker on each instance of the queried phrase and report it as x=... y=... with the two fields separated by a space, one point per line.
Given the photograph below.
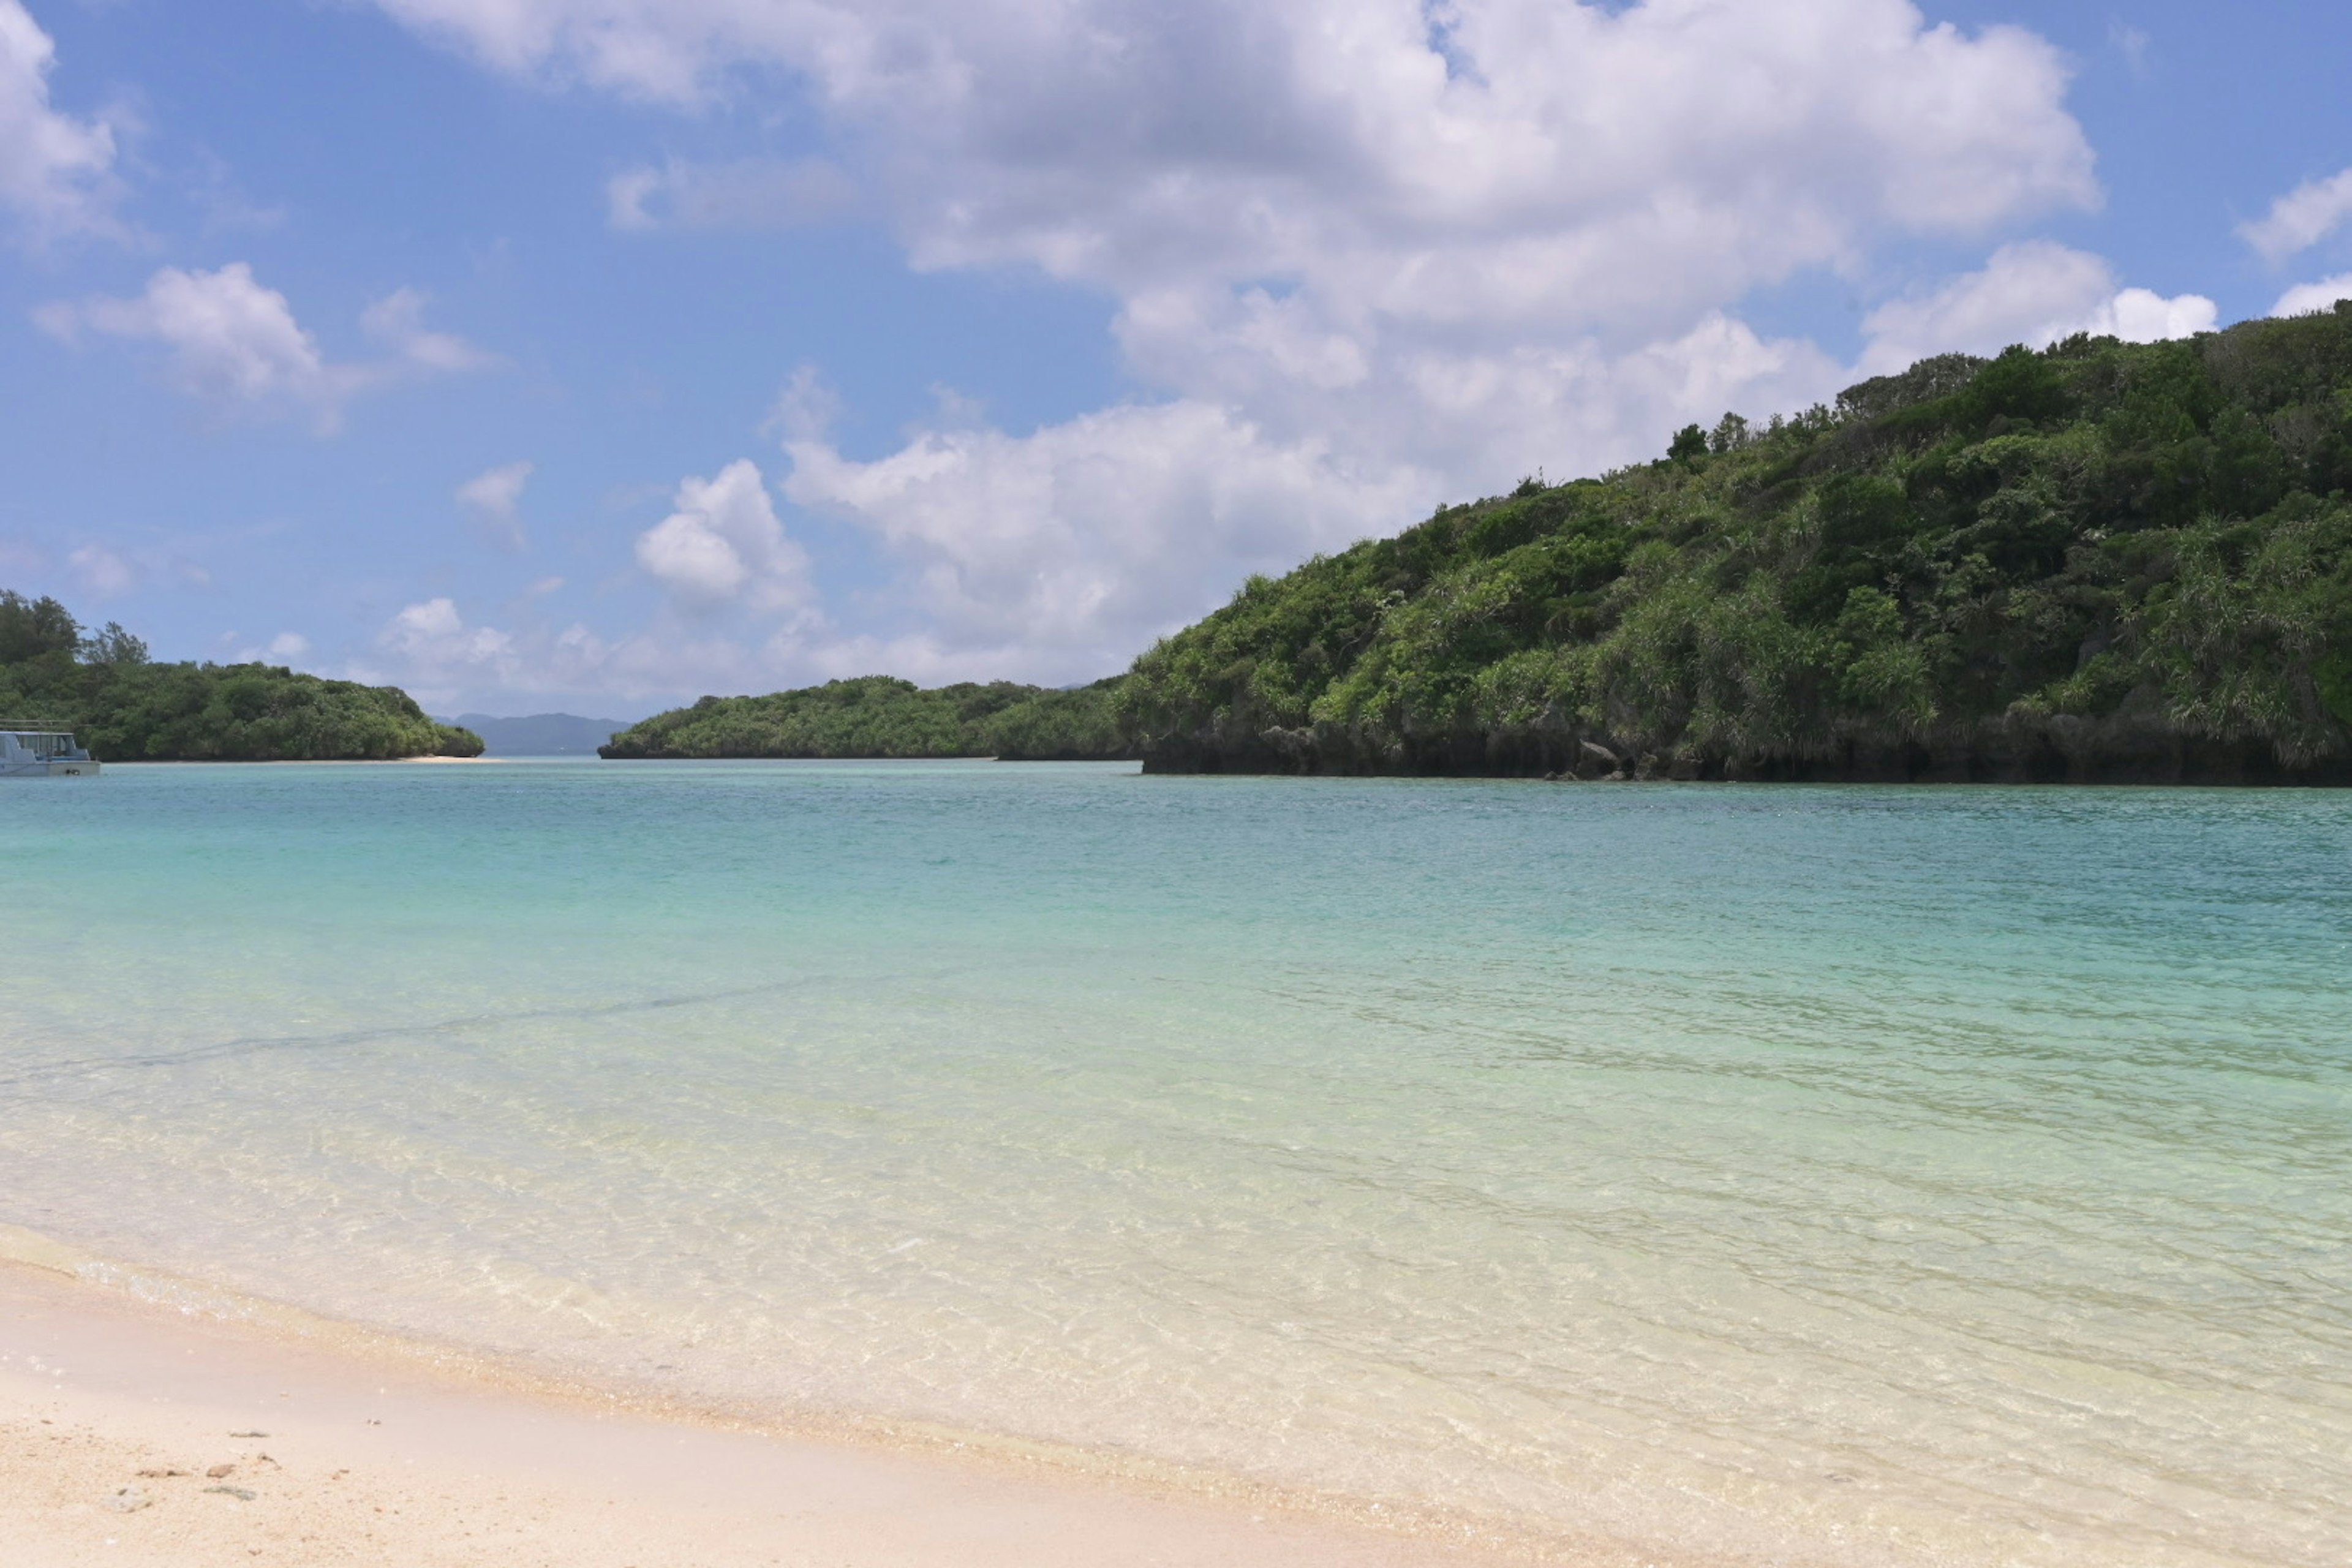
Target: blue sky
x=597 y=354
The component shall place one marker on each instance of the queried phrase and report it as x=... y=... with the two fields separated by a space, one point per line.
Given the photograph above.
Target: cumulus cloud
x=1063 y=544
x=724 y=544
x=436 y=646
x=1058 y=553
x=2033 y=293
x=227 y=335
x=431 y=649
x=231 y=340
x=54 y=170
x=2301 y=218
x=1553 y=161
x=103 y=573
x=397 y=322
x=494 y=498
x=1335 y=197
x=2305 y=298
x=2145 y=316
x=448 y=661
x=286 y=647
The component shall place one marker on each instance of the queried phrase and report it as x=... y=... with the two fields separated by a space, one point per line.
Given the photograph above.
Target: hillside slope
x=2102 y=561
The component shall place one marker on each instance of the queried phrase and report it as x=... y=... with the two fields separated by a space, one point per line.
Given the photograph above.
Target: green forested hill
x=126 y=708
x=2100 y=561
x=880 y=716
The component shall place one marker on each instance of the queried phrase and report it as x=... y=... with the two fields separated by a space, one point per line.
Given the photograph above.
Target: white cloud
x=2135 y=46
x=107 y=571
x=230 y=340
x=228 y=336
x=2305 y=298
x=2302 y=218
x=286 y=647
x=443 y=660
x=431 y=624
x=723 y=544
x=494 y=498
x=805 y=410
x=1056 y=555
x=757 y=193
x=437 y=649
x=1583 y=164
x=102 y=572
x=54 y=170
x=1062 y=547
x=397 y=322
x=2033 y=293
x=2145 y=316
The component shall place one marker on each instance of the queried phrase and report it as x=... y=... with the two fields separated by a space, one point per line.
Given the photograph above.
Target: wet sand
x=136 y=1434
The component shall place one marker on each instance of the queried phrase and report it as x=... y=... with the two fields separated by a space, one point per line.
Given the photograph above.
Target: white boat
x=36 y=752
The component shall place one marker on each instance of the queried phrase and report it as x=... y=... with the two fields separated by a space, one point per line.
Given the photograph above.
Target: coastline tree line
x=127 y=708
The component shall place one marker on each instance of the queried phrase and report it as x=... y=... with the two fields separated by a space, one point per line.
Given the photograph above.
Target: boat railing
x=31 y=738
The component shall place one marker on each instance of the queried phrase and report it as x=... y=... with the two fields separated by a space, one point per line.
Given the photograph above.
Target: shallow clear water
x=1898 y=1175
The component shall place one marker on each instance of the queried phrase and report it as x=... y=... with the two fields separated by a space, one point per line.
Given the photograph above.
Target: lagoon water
x=1839 y=1174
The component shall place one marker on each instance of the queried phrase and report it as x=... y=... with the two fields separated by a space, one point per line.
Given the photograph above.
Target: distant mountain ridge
x=541 y=734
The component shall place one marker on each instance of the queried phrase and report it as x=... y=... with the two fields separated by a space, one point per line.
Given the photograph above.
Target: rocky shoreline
x=2054 y=749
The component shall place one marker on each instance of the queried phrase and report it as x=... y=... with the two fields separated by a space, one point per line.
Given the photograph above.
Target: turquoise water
x=1844 y=1175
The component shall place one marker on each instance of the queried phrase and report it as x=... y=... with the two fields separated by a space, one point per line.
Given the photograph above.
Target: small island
x=880 y=716
x=127 y=708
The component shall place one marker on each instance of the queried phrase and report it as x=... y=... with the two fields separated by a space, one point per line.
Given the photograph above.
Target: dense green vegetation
x=2101 y=561
x=879 y=716
x=125 y=707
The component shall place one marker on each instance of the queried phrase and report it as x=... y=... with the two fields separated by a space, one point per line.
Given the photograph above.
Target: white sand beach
x=135 y=1434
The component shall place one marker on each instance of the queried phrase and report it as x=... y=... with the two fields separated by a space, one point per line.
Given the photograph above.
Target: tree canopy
x=881 y=716
x=2100 y=561
x=126 y=708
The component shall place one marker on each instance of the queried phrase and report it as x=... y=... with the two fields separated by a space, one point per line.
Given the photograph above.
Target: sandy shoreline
x=118 y=1416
